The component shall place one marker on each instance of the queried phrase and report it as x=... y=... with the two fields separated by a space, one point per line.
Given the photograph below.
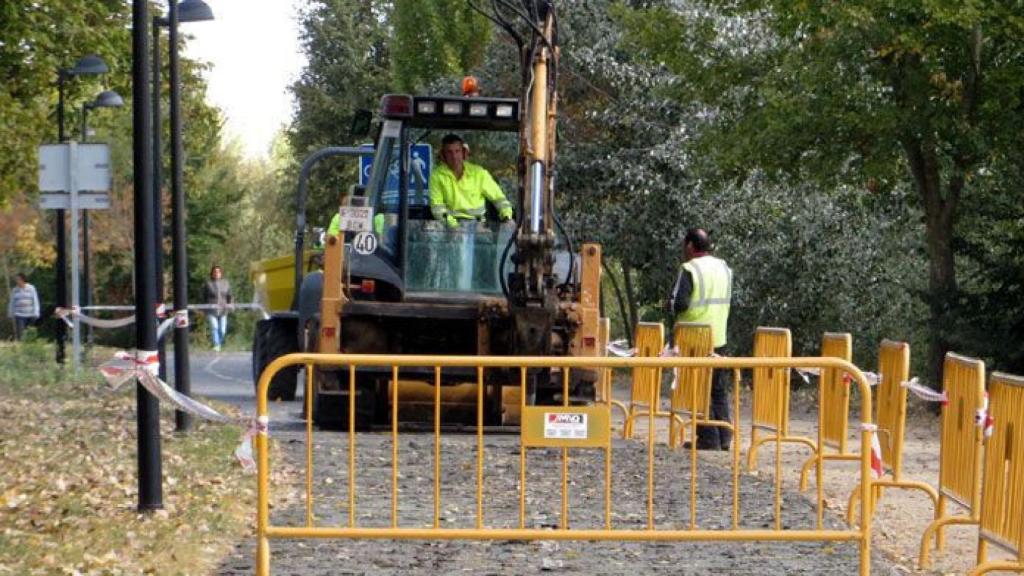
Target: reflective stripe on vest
x=710 y=296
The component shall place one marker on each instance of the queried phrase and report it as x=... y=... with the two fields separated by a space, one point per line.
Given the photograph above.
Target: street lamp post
x=106 y=99
x=158 y=205
x=90 y=65
x=147 y=406
x=186 y=11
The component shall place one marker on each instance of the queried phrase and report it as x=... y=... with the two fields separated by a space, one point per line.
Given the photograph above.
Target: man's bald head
x=696 y=239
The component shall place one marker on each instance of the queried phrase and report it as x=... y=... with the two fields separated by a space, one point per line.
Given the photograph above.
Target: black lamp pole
x=147 y=406
x=158 y=209
x=106 y=99
x=188 y=11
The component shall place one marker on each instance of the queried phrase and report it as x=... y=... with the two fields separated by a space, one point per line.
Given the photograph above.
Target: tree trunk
x=940 y=219
x=622 y=303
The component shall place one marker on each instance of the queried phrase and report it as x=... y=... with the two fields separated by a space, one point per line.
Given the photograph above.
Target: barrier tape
x=925 y=393
x=618 y=348
x=178 y=318
x=877 y=466
x=984 y=419
x=143 y=367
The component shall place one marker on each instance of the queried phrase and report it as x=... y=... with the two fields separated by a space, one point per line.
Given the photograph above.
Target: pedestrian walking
x=218 y=294
x=23 y=307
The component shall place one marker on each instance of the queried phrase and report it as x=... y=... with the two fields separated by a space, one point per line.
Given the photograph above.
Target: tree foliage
x=435 y=39
x=867 y=93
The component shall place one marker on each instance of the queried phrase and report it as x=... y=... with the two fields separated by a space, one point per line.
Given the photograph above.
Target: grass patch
x=68 y=491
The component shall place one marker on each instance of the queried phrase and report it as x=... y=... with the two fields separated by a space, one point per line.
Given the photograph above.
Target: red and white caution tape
x=243 y=453
x=923 y=392
x=984 y=419
x=618 y=348
x=143 y=367
x=877 y=466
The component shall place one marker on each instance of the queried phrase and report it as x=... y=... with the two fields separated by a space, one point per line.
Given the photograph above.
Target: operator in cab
x=459 y=189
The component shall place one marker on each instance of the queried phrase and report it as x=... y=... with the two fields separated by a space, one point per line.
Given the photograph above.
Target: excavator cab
x=428 y=258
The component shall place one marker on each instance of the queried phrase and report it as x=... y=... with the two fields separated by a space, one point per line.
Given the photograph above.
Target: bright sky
x=253 y=48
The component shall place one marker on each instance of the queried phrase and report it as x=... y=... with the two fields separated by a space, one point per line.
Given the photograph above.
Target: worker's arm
x=679 y=300
x=493 y=193
x=335 y=226
x=438 y=207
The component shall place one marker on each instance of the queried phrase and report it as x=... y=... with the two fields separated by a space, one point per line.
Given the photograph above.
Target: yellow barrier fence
x=771 y=396
x=833 y=410
x=1002 y=495
x=645 y=392
x=691 y=392
x=963 y=380
x=891 y=400
x=548 y=427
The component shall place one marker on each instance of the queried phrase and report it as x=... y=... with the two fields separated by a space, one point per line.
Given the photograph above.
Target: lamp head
x=194 y=11
x=88 y=66
x=106 y=99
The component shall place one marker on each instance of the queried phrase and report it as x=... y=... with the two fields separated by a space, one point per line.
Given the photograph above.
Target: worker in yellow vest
x=459 y=189
x=702 y=293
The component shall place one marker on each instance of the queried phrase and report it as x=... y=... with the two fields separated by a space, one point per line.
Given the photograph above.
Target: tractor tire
x=330 y=411
x=273 y=339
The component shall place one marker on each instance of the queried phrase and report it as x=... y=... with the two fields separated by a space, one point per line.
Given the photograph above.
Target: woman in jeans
x=218 y=293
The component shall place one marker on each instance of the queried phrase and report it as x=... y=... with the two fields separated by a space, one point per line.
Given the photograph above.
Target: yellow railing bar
x=309 y=445
x=479 y=447
x=651 y=422
x=580 y=534
x=564 y=520
x=736 y=441
x=437 y=446
x=351 y=446
x=394 y=446
x=522 y=451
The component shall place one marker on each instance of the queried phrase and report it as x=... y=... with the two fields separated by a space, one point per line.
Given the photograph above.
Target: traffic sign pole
x=76 y=341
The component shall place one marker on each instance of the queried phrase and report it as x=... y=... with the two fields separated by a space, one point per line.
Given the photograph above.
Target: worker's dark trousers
x=713 y=437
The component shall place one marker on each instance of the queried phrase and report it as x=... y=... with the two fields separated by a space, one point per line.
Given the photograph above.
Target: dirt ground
x=901 y=516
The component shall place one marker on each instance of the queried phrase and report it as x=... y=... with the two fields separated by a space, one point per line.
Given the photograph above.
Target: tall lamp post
x=105 y=99
x=90 y=65
x=186 y=11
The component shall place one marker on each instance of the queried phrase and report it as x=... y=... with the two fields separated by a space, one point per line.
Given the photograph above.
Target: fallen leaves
x=68 y=491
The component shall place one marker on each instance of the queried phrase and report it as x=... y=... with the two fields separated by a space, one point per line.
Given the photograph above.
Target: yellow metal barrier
x=604 y=385
x=645 y=392
x=691 y=396
x=562 y=427
x=1002 y=496
x=833 y=410
x=963 y=380
x=771 y=396
x=891 y=400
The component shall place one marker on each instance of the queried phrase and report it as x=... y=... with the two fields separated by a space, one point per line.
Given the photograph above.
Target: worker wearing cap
x=460 y=189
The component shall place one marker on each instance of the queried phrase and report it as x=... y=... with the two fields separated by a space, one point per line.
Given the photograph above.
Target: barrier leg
x=982 y=551
x=263 y=557
x=1004 y=566
x=755 y=443
x=805 y=470
x=852 y=504
x=940 y=536
x=934 y=529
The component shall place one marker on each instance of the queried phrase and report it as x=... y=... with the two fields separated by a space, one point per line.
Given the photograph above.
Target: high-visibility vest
x=464 y=197
x=710 y=297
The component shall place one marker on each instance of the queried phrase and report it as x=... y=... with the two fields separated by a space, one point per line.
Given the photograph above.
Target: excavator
x=396 y=281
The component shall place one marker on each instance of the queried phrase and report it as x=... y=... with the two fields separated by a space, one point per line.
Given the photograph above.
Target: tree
x=869 y=93
x=434 y=39
x=346 y=44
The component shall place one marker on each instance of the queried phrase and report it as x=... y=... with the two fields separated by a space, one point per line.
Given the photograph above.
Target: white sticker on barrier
x=565 y=425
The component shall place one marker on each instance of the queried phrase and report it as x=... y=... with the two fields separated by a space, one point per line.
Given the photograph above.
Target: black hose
x=622 y=303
